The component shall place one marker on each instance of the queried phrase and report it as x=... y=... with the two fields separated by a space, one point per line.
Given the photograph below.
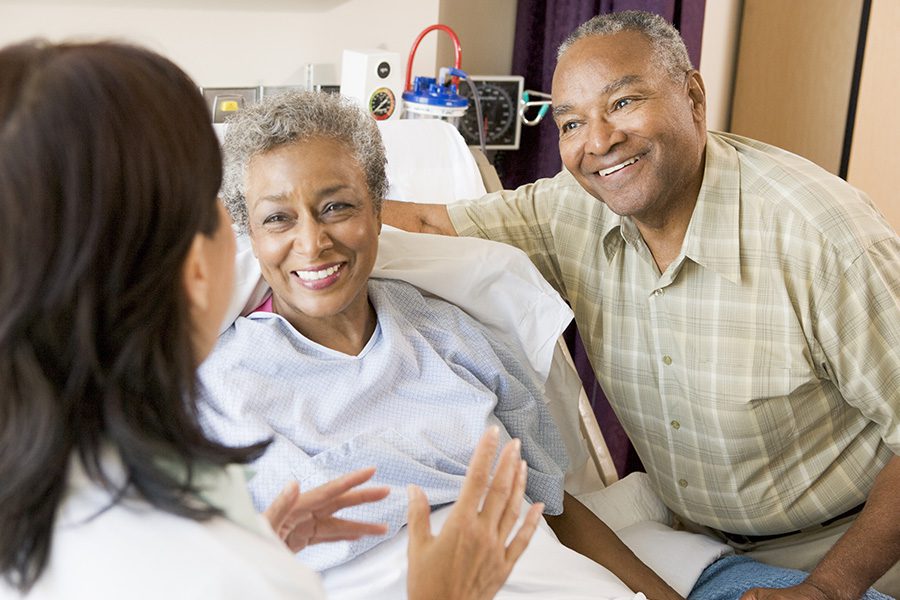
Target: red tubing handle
x=412 y=53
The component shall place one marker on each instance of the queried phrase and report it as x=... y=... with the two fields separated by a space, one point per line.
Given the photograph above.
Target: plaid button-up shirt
x=759 y=376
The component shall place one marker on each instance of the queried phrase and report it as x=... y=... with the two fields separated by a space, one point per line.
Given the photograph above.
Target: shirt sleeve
x=520 y=403
x=858 y=327
x=522 y=218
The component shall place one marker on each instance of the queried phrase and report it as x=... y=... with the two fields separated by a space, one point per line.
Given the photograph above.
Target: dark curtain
x=541 y=25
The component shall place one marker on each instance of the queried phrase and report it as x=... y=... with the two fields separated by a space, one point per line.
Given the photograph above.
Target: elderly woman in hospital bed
x=344 y=371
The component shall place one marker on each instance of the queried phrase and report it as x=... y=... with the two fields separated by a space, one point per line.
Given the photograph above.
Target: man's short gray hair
x=296 y=117
x=668 y=46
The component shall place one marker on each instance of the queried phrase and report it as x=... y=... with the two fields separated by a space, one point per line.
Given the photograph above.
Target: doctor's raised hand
x=303 y=519
x=469 y=560
x=473 y=550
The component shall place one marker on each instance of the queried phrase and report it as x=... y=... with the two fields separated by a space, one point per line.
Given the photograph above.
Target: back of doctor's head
x=108 y=169
x=294 y=118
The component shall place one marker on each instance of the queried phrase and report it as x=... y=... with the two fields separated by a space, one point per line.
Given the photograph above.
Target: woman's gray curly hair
x=296 y=117
x=668 y=46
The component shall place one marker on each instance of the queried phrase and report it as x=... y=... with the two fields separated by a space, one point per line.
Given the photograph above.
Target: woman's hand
x=470 y=559
x=304 y=519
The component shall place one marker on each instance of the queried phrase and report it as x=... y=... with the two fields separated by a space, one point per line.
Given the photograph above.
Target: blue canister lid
x=427 y=91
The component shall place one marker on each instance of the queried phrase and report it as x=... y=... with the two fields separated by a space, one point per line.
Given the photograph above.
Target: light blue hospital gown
x=414 y=403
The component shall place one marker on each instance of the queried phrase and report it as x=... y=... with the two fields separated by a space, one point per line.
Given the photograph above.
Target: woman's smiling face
x=313 y=228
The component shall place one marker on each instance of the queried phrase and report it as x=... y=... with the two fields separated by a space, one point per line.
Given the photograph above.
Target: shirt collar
x=612 y=243
x=712 y=239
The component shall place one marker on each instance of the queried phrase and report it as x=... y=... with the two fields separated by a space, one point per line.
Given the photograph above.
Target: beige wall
x=794 y=75
x=721 y=26
x=875 y=160
x=793 y=85
x=486 y=30
x=220 y=44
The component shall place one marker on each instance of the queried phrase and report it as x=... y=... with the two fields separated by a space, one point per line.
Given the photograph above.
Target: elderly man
x=741 y=308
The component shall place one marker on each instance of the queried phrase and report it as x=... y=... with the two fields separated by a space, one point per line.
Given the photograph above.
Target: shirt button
x=667 y=359
x=675 y=425
x=682 y=483
x=658 y=292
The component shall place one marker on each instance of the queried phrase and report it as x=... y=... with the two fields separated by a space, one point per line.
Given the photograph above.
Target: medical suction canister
x=438 y=98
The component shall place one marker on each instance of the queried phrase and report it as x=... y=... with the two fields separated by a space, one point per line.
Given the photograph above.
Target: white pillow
x=495 y=283
x=637 y=514
x=428 y=161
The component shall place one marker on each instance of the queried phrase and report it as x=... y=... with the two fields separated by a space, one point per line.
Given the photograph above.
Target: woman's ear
x=196 y=274
x=378 y=214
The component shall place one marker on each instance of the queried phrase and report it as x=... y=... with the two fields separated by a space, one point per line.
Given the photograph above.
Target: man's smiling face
x=629 y=133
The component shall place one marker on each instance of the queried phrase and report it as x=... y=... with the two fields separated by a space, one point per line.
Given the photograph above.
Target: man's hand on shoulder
x=418 y=218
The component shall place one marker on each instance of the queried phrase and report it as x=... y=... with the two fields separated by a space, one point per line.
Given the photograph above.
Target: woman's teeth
x=316 y=275
x=619 y=166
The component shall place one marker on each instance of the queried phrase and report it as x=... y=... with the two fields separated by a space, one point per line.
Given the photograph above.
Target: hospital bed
x=428 y=161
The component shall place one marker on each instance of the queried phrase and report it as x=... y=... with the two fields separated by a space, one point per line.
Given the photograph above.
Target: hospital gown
x=413 y=403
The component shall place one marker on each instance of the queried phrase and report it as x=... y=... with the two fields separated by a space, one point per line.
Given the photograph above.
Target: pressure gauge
x=499 y=97
x=382 y=103
x=374 y=80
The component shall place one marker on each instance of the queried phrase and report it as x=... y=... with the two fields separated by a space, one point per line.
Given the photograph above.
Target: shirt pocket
x=755 y=410
x=744 y=383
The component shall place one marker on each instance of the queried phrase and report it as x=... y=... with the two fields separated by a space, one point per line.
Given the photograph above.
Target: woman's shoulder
x=258 y=342
x=404 y=299
x=404 y=308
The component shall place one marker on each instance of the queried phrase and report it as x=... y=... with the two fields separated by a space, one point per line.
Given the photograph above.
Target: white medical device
x=375 y=79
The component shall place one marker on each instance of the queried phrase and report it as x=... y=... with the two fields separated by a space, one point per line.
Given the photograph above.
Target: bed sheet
x=639 y=517
x=548 y=569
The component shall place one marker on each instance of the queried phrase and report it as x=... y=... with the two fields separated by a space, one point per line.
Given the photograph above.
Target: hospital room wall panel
x=796 y=87
x=874 y=158
x=794 y=75
x=721 y=24
x=219 y=44
x=486 y=31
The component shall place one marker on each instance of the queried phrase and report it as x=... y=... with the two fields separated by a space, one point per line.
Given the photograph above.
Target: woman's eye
x=566 y=127
x=274 y=219
x=622 y=103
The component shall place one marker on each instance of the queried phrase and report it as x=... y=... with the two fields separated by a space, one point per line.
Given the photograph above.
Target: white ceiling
x=254 y=5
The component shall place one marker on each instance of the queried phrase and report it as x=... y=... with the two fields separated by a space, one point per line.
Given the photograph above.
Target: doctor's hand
x=302 y=519
x=470 y=558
